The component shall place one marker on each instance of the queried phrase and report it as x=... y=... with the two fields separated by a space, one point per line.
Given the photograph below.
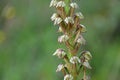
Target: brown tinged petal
x=76 y=21
x=77 y=36
x=87 y=55
x=61 y=12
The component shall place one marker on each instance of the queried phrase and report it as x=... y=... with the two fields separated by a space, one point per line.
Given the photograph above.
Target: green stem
x=67 y=6
x=84 y=77
x=75 y=71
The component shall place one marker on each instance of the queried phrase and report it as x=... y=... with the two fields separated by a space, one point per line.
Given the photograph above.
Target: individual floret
x=74 y=60
x=60 y=53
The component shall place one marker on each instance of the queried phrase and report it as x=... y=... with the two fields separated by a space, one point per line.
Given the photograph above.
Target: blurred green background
x=28 y=39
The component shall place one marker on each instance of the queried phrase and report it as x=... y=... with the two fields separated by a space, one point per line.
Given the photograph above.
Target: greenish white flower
x=63 y=38
x=80 y=15
x=57 y=20
x=53 y=3
x=54 y=16
x=68 y=77
x=87 y=55
x=60 y=67
x=74 y=5
x=81 y=40
x=60 y=53
x=69 y=20
x=60 y=4
x=74 y=60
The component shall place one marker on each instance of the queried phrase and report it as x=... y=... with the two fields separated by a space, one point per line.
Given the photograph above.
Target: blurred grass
x=28 y=39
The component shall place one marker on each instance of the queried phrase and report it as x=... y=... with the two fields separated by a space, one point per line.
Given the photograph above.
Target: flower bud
x=81 y=40
x=60 y=29
x=61 y=4
x=69 y=20
x=83 y=28
x=63 y=38
x=74 y=5
x=80 y=15
x=54 y=16
x=60 y=53
x=60 y=67
x=74 y=60
x=68 y=77
x=87 y=65
x=53 y=3
x=57 y=21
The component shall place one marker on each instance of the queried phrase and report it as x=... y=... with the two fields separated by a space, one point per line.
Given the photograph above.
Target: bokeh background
x=28 y=39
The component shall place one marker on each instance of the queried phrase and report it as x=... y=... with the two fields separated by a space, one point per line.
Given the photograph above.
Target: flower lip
x=60 y=67
x=74 y=60
x=74 y=5
x=54 y=16
x=60 y=4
